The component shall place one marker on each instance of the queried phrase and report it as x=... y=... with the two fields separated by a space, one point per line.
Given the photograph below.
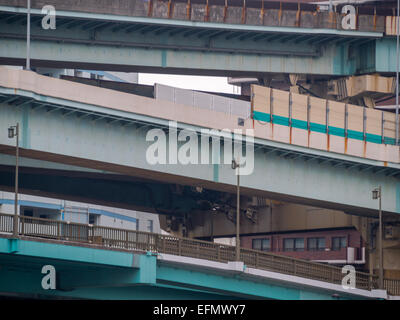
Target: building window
x=293 y=244
x=339 y=243
x=137 y=224
x=93 y=219
x=262 y=244
x=28 y=213
x=149 y=226
x=316 y=244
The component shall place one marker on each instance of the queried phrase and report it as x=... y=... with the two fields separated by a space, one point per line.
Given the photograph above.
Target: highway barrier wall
x=323 y=116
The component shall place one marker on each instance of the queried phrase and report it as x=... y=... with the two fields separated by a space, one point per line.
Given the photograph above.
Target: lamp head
x=376 y=194
x=234 y=164
x=11 y=133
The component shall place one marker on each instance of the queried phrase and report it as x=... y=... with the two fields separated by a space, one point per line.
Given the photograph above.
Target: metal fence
x=392 y=286
x=157 y=243
x=203 y=100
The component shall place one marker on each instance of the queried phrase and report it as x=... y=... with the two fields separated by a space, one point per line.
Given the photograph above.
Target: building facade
x=77 y=212
x=339 y=246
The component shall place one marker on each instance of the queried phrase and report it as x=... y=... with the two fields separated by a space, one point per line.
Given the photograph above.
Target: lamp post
x=236 y=165
x=13 y=132
x=377 y=194
x=397 y=71
x=28 y=36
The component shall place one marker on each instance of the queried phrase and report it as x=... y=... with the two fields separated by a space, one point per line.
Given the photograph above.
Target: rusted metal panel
x=308 y=19
x=179 y=11
x=234 y=15
x=216 y=14
x=268 y=13
x=391 y=26
x=253 y=16
x=118 y=7
x=326 y=20
x=371 y=23
x=288 y=19
x=198 y=12
x=160 y=9
x=271 y=18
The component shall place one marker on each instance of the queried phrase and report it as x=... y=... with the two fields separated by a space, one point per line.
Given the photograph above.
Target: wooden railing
x=157 y=243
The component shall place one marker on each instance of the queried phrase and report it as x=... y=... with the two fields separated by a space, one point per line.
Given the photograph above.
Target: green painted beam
x=236 y=285
x=202 y=61
x=143 y=274
x=84 y=272
x=385 y=55
x=28 y=284
x=46 y=250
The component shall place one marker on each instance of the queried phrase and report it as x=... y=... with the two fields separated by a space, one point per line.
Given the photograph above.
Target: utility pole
x=380 y=240
x=28 y=37
x=14 y=132
x=377 y=194
x=236 y=165
x=397 y=72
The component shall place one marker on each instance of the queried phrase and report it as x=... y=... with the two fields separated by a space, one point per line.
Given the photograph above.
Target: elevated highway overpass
x=105 y=263
x=200 y=38
x=88 y=143
x=84 y=143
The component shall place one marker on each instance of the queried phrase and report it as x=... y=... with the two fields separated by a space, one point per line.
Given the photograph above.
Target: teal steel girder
x=239 y=285
x=83 y=272
x=76 y=254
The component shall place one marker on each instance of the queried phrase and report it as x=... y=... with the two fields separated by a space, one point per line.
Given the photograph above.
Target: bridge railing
x=167 y=244
x=392 y=286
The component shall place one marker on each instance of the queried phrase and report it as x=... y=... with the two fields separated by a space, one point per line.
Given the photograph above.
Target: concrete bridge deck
x=105 y=131
x=106 y=263
x=126 y=38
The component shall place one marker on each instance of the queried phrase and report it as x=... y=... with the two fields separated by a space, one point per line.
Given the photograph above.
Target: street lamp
x=397 y=70
x=28 y=36
x=377 y=194
x=236 y=165
x=13 y=132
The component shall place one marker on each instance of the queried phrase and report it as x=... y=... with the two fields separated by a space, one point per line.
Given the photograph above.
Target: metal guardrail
x=392 y=286
x=158 y=243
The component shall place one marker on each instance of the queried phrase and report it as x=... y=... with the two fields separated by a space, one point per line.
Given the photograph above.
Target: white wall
x=7 y=208
x=103 y=219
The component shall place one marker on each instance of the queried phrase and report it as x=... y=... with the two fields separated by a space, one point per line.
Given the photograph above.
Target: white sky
x=202 y=83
